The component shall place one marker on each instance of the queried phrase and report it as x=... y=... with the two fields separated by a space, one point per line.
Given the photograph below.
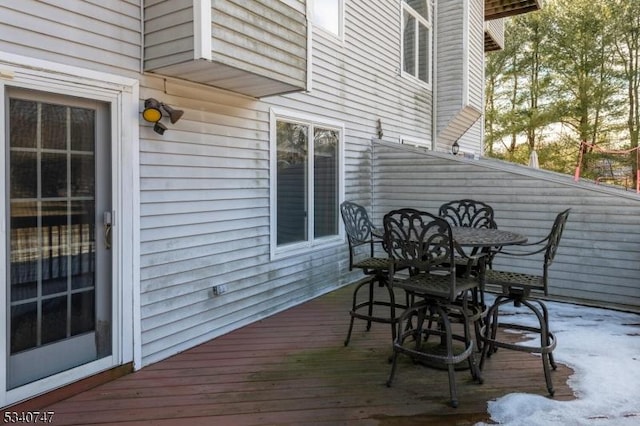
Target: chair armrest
x=475 y=261
x=529 y=253
x=545 y=240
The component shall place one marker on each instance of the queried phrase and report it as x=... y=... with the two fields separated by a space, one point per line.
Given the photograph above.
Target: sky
x=603 y=348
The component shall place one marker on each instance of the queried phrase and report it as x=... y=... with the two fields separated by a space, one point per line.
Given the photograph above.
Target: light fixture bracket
x=154 y=110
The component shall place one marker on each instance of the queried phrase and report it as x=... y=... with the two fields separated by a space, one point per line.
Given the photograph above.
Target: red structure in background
x=585 y=144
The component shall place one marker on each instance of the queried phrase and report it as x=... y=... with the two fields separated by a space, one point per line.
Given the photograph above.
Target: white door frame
x=122 y=94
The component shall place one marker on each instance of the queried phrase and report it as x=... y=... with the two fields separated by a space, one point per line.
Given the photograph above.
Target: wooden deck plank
x=293 y=368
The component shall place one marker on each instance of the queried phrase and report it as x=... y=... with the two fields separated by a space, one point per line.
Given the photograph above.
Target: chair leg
x=436 y=313
x=364 y=309
x=446 y=328
x=346 y=341
x=467 y=314
x=547 y=341
x=547 y=374
x=392 y=307
x=397 y=342
x=403 y=332
x=370 y=311
x=353 y=309
x=477 y=328
x=490 y=331
x=545 y=314
x=394 y=359
x=452 y=386
x=473 y=366
x=478 y=310
x=419 y=330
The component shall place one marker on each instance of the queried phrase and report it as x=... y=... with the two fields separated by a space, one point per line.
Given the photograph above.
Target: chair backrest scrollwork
x=468 y=213
x=358 y=227
x=553 y=240
x=420 y=241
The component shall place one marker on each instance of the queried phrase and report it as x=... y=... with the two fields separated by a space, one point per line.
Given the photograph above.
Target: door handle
x=108 y=225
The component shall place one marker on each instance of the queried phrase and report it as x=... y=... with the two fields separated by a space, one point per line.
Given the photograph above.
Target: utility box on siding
x=256 y=48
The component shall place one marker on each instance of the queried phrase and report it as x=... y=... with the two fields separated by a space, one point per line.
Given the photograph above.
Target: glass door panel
x=59 y=176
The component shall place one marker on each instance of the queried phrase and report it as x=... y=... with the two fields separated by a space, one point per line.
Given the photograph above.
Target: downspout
x=141 y=37
x=309 y=48
x=465 y=52
x=482 y=95
x=434 y=78
x=136 y=328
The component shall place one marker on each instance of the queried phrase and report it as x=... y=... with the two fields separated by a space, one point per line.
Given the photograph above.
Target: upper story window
x=329 y=15
x=307 y=174
x=416 y=39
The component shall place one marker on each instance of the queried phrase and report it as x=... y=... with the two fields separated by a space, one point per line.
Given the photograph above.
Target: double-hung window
x=306 y=167
x=329 y=15
x=416 y=39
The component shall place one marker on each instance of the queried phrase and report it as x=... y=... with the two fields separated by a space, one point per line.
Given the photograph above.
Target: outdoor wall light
x=153 y=112
x=159 y=128
x=455 y=148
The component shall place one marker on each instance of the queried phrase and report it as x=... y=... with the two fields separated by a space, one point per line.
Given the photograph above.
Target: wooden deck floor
x=293 y=369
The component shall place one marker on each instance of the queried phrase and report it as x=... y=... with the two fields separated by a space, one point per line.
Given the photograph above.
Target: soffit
x=494 y=9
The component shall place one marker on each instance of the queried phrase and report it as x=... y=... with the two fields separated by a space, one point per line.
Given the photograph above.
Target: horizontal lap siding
x=469 y=141
x=450 y=62
x=599 y=256
x=101 y=36
x=460 y=74
x=169 y=27
x=475 y=35
x=357 y=83
x=265 y=37
x=204 y=217
x=205 y=185
x=205 y=221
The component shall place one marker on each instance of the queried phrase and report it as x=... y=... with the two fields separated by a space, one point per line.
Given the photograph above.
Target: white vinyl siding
x=597 y=261
x=460 y=75
x=204 y=219
x=256 y=48
x=96 y=35
x=169 y=32
x=206 y=210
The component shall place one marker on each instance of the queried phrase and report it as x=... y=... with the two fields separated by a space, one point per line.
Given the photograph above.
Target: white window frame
x=404 y=6
x=311 y=244
x=122 y=94
x=416 y=142
x=340 y=18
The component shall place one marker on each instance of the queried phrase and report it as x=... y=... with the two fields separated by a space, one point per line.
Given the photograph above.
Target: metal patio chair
x=423 y=243
x=520 y=289
x=362 y=255
x=470 y=213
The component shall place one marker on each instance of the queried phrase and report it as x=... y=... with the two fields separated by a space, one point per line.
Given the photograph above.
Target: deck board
x=292 y=369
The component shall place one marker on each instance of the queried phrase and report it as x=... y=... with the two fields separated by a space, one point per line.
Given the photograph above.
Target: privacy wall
x=598 y=258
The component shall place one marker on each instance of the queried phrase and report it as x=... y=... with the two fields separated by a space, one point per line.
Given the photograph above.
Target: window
x=328 y=15
x=306 y=171
x=418 y=143
x=416 y=39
